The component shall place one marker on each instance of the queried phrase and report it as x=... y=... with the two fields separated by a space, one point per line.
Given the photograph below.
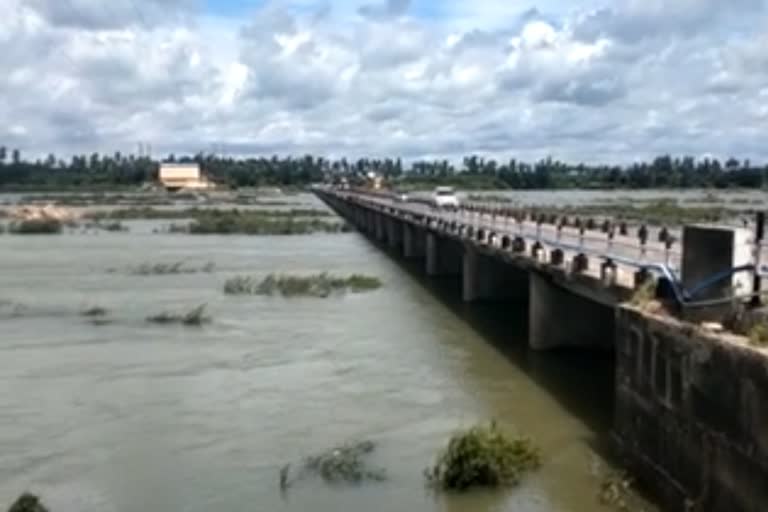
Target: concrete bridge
x=691 y=406
x=561 y=271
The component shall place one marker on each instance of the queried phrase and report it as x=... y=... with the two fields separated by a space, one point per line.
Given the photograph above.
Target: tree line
x=474 y=172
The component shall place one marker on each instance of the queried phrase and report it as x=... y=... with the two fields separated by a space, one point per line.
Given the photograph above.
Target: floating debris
x=194 y=317
x=28 y=503
x=339 y=465
x=483 y=456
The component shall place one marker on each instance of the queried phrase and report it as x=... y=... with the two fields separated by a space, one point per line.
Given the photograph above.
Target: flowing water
x=133 y=417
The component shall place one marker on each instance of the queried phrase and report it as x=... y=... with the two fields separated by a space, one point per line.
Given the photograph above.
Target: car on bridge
x=445 y=197
x=400 y=196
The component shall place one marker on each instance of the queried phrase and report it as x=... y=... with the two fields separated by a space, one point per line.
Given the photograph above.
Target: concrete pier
x=444 y=256
x=394 y=233
x=414 y=242
x=486 y=278
x=558 y=318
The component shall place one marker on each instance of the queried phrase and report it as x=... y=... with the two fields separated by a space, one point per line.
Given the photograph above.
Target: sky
x=612 y=81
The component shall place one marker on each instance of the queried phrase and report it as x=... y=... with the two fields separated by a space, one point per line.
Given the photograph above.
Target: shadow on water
x=581 y=380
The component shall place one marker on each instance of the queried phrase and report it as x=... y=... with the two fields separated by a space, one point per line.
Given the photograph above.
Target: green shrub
x=37 y=227
x=483 y=456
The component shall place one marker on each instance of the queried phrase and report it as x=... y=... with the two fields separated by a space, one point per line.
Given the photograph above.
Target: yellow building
x=177 y=176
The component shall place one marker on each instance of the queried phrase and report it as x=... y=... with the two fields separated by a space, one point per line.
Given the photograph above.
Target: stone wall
x=692 y=413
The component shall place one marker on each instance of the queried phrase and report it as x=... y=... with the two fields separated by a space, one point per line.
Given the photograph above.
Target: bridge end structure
x=690 y=413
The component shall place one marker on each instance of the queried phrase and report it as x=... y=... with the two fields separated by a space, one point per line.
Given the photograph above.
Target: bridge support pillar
x=558 y=318
x=414 y=242
x=487 y=278
x=444 y=257
x=381 y=233
x=394 y=233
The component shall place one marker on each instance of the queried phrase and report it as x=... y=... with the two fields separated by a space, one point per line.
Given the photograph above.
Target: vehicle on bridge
x=445 y=197
x=400 y=196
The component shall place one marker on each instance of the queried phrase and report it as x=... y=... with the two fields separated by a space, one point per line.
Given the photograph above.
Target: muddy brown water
x=134 y=417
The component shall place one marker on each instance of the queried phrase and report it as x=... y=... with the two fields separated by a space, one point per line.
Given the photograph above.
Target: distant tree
x=3 y=154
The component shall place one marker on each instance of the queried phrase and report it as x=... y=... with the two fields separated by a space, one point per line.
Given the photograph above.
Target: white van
x=445 y=197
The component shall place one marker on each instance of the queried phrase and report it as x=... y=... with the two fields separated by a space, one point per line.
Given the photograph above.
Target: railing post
x=757 y=280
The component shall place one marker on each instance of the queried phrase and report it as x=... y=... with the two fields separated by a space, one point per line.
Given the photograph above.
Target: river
x=130 y=417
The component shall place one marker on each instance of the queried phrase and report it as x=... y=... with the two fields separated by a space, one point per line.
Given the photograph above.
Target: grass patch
x=194 y=317
x=36 y=227
x=318 y=285
x=28 y=503
x=483 y=456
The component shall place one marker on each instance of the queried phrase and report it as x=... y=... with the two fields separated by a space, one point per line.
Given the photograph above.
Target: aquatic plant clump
x=483 y=456
x=175 y=268
x=342 y=464
x=194 y=317
x=36 y=227
x=319 y=285
x=96 y=311
x=248 y=224
x=28 y=503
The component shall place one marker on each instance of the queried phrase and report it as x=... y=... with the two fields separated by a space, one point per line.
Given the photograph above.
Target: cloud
x=595 y=84
x=389 y=9
x=99 y=15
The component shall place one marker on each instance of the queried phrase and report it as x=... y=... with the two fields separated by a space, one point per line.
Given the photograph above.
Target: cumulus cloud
x=388 y=9
x=596 y=84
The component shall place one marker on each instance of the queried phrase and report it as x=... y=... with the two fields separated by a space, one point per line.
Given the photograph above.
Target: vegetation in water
x=95 y=311
x=319 y=285
x=173 y=268
x=247 y=223
x=483 y=456
x=194 y=317
x=28 y=503
x=36 y=227
x=342 y=464
x=195 y=213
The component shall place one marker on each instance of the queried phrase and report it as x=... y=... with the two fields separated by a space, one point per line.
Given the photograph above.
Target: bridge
x=690 y=404
x=564 y=271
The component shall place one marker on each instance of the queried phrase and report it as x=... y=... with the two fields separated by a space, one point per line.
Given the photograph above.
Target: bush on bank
x=483 y=456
